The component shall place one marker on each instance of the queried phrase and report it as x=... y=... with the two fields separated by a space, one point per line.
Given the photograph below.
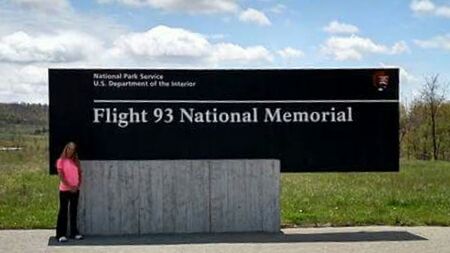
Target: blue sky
x=413 y=35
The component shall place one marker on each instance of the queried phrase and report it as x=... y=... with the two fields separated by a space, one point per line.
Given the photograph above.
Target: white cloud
x=430 y=8
x=37 y=35
x=47 y=6
x=422 y=6
x=254 y=16
x=289 y=53
x=235 y=53
x=23 y=84
x=354 y=47
x=191 y=6
x=181 y=46
x=400 y=47
x=61 y=47
x=249 y=15
x=16 y=18
x=216 y=36
x=278 y=9
x=162 y=42
x=407 y=78
x=24 y=59
x=440 y=42
x=410 y=85
x=443 y=11
x=336 y=27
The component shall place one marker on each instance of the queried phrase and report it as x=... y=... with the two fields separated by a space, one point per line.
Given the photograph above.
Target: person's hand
x=74 y=189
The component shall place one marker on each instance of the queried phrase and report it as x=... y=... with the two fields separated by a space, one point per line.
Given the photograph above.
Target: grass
x=28 y=200
x=418 y=195
x=28 y=195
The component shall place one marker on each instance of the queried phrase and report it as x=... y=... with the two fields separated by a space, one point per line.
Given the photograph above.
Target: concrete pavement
x=343 y=239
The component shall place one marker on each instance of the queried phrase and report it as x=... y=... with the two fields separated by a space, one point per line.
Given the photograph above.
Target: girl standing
x=69 y=171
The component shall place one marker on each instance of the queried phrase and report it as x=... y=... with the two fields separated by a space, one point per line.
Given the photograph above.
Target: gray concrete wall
x=179 y=196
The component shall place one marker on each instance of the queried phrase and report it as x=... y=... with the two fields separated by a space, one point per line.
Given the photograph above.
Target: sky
x=413 y=35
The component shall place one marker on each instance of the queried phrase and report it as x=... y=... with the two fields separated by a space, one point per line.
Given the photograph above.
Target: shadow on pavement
x=203 y=238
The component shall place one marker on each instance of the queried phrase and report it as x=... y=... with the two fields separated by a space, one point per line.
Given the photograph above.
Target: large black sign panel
x=314 y=120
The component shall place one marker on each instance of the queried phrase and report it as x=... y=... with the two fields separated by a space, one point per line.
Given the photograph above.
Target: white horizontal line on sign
x=249 y=101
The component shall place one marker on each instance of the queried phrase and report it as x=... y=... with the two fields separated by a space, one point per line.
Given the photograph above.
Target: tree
x=433 y=96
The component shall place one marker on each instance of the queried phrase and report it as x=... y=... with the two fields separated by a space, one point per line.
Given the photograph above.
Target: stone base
x=179 y=196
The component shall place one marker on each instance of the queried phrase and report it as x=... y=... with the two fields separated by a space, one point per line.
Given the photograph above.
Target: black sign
x=311 y=120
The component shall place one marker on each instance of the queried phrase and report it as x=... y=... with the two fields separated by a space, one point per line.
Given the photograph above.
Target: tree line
x=425 y=123
x=14 y=114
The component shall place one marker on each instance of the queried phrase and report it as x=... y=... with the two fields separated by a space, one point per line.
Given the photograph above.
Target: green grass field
x=28 y=195
x=418 y=195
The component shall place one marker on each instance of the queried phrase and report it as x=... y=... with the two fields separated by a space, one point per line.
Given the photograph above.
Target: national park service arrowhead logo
x=380 y=80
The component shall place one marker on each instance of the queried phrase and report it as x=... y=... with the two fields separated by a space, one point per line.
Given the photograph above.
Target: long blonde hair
x=74 y=156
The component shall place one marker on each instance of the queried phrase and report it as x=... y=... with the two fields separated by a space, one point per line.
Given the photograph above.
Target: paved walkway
x=345 y=239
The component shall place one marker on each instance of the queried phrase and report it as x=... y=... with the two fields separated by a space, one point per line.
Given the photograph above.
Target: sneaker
x=78 y=237
x=62 y=239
